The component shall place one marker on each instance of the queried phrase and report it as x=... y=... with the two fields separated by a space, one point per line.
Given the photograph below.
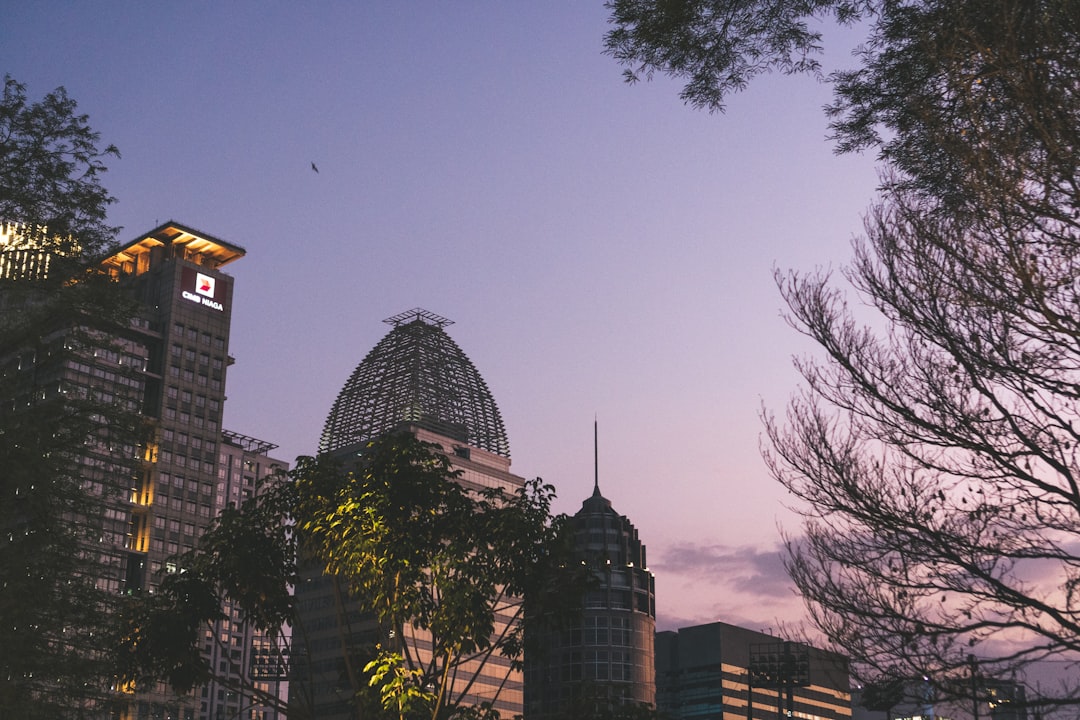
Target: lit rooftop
x=175 y=240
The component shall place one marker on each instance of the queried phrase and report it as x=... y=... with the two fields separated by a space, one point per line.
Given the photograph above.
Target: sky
x=605 y=252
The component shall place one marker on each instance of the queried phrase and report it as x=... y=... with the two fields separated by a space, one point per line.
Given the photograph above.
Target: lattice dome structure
x=416 y=374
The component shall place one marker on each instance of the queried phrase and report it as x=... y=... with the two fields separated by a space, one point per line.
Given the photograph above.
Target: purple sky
x=603 y=250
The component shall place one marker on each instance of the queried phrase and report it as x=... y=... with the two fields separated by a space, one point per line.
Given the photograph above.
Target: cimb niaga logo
x=204 y=285
x=200 y=288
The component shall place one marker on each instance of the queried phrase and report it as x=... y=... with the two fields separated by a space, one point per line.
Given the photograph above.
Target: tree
x=933 y=449
x=436 y=568
x=936 y=461
x=51 y=169
x=719 y=46
x=950 y=92
x=63 y=449
x=247 y=556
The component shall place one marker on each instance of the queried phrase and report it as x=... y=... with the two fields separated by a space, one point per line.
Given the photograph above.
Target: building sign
x=202 y=288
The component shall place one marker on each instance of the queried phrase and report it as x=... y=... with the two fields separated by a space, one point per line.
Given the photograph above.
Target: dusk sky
x=603 y=250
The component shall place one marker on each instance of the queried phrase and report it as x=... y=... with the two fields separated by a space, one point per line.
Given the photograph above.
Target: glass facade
x=605 y=657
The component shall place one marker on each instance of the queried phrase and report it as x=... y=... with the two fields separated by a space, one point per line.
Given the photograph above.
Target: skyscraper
x=236 y=649
x=416 y=378
x=605 y=658
x=155 y=493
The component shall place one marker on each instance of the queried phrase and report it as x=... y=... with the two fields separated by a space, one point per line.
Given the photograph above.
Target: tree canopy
x=436 y=567
x=933 y=447
x=65 y=451
x=52 y=164
x=944 y=88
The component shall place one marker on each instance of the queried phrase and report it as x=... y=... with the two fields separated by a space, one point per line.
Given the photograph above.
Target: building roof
x=416 y=374
x=181 y=240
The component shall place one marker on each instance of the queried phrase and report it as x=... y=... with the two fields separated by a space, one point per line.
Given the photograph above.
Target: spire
x=596 y=459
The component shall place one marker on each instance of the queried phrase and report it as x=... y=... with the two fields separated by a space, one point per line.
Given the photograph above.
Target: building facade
x=605 y=658
x=157 y=491
x=235 y=648
x=724 y=672
x=416 y=378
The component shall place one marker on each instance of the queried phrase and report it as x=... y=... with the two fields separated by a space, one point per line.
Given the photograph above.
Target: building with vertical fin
x=415 y=378
x=606 y=658
x=723 y=672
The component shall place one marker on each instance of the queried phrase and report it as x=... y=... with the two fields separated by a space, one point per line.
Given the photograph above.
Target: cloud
x=745 y=569
x=743 y=585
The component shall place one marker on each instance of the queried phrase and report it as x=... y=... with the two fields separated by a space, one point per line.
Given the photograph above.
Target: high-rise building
x=605 y=657
x=156 y=493
x=724 y=672
x=416 y=378
x=237 y=649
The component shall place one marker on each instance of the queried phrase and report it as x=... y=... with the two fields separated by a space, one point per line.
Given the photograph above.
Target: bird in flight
x=314 y=167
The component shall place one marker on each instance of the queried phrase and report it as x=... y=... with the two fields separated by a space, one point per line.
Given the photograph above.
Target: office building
x=724 y=672
x=415 y=378
x=604 y=658
x=159 y=491
x=235 y=648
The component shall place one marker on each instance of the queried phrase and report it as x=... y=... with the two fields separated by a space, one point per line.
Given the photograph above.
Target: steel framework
x=416 y=374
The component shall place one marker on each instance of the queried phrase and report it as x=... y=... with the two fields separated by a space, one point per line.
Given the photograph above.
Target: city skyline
x=604 y=251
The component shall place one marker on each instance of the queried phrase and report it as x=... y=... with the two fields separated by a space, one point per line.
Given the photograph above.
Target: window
x=595 y=631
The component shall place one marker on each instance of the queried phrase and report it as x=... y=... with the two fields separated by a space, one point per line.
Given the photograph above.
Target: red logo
x=204 y=285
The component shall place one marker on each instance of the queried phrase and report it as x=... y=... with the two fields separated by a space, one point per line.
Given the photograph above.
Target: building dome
x=416 y=374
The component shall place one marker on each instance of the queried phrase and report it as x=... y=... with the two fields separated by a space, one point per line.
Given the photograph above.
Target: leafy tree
x=719 y=46
x=247 y=556
x=934 y=448
x=56 y=439
x=431 y=563
x=951 y=92
x=51 y=167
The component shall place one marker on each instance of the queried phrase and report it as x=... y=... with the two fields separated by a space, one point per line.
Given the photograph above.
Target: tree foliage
x=247 y=557
x=943 y=88
x=435 y=563
x=64 y=451
x=52 y=164
x=933 y=449
x=719 y=46
x=432 y=563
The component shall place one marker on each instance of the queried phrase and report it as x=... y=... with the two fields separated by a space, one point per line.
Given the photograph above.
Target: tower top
x=418 y=315
x=416 y=374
